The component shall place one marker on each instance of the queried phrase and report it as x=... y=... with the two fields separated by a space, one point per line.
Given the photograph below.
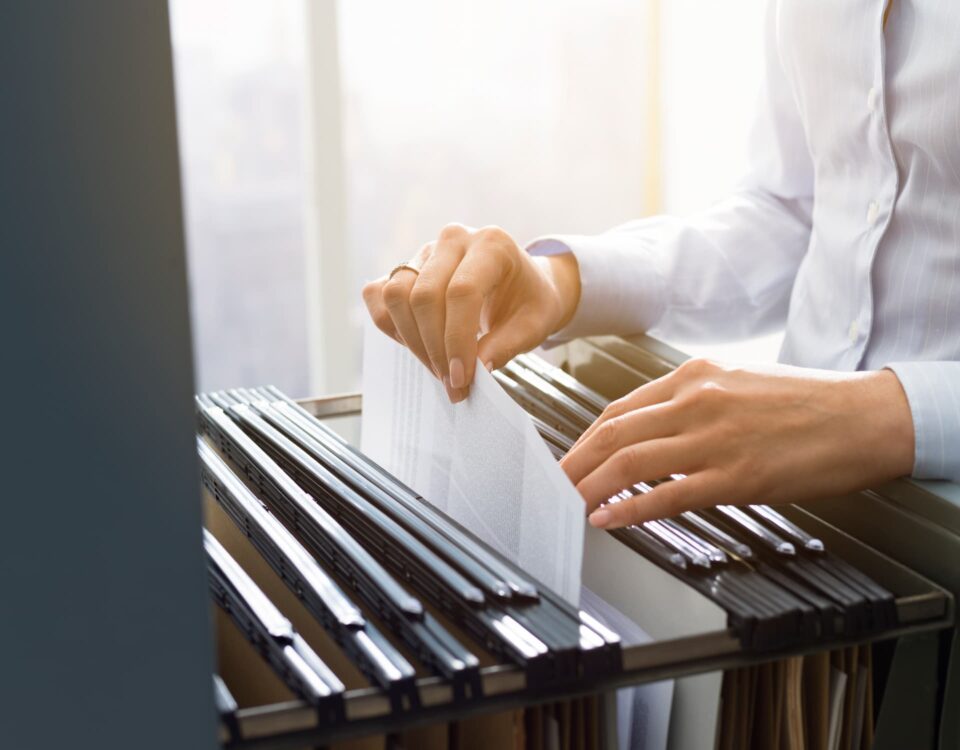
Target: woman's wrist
x=886 y=424
x=563 y=273
x=898 y=419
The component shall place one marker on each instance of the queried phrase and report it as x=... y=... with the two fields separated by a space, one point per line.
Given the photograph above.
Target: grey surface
x=105 y=622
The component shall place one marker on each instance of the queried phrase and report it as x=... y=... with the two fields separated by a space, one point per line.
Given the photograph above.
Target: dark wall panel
x=103 y=612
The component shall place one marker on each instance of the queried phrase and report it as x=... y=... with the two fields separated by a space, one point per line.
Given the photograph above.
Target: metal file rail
x=919 y=606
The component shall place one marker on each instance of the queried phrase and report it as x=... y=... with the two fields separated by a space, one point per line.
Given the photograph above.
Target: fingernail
x=452 y=393
x=457 y=377
x=489 y=366
x=601 y=518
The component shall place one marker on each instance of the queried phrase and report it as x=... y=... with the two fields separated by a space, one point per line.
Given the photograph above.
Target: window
x=324 y=142
x=239 y=83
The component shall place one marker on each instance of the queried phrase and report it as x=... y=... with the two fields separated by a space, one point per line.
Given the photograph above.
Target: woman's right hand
x=473 y=282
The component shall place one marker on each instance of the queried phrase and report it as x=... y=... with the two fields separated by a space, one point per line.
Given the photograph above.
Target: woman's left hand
x=751 y=434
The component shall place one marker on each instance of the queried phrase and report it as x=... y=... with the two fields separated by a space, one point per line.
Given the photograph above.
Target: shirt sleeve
x=722 y=274
x=933 y=392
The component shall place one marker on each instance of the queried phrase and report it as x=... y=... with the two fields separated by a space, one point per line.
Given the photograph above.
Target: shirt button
x=873 y=210
x=853 y=331
x=873 y=98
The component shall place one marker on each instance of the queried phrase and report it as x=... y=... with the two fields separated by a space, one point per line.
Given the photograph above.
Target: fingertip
x=601 y=518
x=456 y=395
x=486 y=353
x=446 y=386
x=565 y=465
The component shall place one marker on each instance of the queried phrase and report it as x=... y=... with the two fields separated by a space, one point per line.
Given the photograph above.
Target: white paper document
x=480 y=461
x=643 y=711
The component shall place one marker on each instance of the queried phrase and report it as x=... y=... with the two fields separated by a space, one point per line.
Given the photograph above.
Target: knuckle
x=423 y=296
x=497 y=245
x=495 y=235
x=383 y=321
x=394 y=293
x=452 y=232
x=711 y=393
x=371 y=290
x=707 y=394
x=697 y=367
x=613 y=410
x=626 y=461
x=460 y=288
x=503 y=254
x=458 y=343
x=608 y=435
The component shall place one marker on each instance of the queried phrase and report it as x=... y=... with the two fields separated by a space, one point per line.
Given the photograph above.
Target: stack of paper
x=481 y=461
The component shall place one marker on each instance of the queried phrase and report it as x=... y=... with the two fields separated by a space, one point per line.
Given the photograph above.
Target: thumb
x=506 y=340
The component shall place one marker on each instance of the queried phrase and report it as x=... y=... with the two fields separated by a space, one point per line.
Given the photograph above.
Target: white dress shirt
x=846 y=227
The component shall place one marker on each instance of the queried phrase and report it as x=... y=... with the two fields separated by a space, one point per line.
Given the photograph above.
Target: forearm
x=725 y=273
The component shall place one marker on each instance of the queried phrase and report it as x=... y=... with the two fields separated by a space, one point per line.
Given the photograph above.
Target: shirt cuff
x=621 y=291
x=933 y=392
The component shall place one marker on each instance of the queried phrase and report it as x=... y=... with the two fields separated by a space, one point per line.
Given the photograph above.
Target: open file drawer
x=690 y=635
x=916 y=523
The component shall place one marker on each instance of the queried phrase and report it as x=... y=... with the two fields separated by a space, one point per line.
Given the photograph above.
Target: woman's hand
x=471 y=282
x=742 y=435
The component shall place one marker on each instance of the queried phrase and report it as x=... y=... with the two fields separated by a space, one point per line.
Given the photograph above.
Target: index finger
x=638 y=426
x=655 y=392
x=484 y=266
x=664 y=501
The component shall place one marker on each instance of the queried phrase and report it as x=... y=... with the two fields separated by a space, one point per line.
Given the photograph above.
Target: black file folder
x=369 y=649
x=297 y=665
x=550 y=640
x=716 y=590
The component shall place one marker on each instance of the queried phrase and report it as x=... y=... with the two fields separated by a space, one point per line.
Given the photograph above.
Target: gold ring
x=402 y=267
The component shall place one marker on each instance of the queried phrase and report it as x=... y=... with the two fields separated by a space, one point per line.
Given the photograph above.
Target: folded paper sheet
x=480 y=461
